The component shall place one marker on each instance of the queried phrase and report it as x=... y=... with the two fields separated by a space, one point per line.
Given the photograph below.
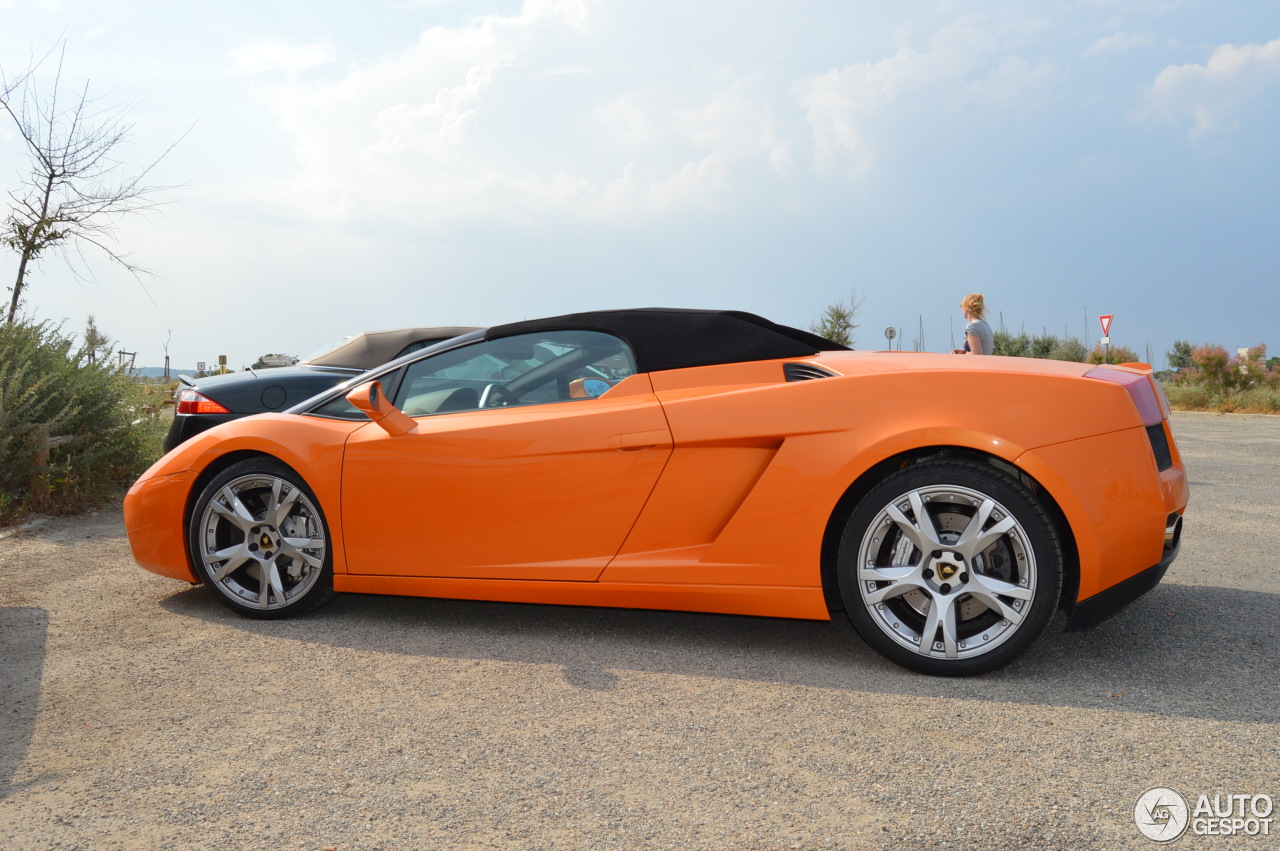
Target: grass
x=1255 y=400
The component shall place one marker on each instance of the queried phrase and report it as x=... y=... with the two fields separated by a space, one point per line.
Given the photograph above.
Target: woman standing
x=978 y=336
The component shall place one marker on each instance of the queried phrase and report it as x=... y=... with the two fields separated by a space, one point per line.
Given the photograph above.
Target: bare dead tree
x=77 y=186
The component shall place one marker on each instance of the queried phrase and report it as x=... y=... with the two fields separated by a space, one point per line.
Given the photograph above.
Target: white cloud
x=1121 y=42
x=436 y=128
x=730 y=120
x=1212 y=96
x=854 y=111
x=279 y=56
x=1015 y=84
x=667 y=145
x=571 y=70
x=842 y=106
x=687 y=153
x=571 y=12
x=1122 y=12
x=460 y=124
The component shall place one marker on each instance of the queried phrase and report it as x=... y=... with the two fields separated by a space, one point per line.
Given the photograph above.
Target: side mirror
x=596 y=387
x=377 y=407
x=588 y=388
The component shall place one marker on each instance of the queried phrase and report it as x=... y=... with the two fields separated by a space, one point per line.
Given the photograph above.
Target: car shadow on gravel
x=23 y=630
x=1198 y=652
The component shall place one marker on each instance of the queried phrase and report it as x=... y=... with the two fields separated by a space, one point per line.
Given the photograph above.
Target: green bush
x=48 y=387
x=1212 y=367
x=1257 y=400
x=1212 y=380
x=1187 y=397
x=1180 y=355
x=1198 y=397
x=1069 y=349
x=1114 y=354
x=1046 y=346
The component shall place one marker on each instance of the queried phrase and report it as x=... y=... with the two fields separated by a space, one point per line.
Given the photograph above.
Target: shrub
x=1069 y=349
x=48 y=387
x=1042 y=347
x=1046 y=346
x=1180 y=355
x=1115 y=354
x=1011 y=345
x=1215 y=381
x=1187 y=397
x=1212 y=367
x=1257 y=400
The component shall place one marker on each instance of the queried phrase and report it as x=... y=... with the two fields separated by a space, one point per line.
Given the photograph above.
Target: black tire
x=967 y=592
x=258 y=520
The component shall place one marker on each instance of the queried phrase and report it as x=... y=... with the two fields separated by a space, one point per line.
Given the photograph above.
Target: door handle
x=640 y=440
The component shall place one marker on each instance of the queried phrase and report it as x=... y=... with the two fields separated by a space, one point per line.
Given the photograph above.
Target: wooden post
x=40 y=437
x=40 y=464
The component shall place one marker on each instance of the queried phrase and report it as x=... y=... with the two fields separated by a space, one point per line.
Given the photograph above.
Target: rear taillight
x=1148 y=397
x=191 y=402
x=1141 y=391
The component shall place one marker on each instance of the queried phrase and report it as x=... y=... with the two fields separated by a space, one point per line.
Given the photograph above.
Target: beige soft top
x=374 y=348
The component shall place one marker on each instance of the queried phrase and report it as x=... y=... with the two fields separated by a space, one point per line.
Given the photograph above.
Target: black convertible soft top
x=675 y=338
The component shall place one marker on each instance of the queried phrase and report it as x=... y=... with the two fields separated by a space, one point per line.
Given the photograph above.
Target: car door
x=514 y=471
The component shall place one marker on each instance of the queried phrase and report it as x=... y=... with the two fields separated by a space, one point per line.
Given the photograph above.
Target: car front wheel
x=259 y=539
x=950 y=567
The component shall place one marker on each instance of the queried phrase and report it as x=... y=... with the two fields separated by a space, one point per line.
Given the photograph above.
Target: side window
x=530 y=369
x=341 y=409
x=338 y=409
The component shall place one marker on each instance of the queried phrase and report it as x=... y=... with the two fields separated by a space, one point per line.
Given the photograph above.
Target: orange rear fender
x=1114 y=499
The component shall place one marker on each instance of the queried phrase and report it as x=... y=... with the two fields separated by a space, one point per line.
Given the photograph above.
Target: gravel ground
x=137 y=713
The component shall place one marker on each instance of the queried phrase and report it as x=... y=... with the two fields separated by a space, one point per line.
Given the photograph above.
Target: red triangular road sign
x=1105 y=319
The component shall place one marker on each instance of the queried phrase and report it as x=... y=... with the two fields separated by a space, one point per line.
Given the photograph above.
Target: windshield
x=530 y=369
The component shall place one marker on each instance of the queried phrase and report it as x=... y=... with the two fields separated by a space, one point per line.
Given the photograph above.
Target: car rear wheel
x=950 y=567
x=259 y=539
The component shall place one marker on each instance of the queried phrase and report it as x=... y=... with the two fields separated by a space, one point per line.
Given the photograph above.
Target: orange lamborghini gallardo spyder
x=693 y=460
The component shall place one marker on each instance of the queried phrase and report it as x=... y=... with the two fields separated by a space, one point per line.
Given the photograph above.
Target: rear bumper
x=1092 y=611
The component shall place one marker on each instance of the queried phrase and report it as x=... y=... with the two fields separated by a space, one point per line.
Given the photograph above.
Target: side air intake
x=804 y=371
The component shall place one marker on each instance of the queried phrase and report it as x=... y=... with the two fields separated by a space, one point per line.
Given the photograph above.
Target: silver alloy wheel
x=946 y=572
x=261 y=541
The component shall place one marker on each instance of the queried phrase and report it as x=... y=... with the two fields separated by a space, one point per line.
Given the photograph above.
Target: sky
x=348 y=166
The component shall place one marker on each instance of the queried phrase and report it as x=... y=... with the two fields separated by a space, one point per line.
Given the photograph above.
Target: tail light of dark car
x=194 y=402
